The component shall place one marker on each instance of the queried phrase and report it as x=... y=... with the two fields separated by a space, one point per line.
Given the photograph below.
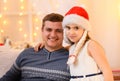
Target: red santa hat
x=77 y=15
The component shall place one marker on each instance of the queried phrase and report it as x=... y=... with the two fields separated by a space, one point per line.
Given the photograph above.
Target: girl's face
x=74 y=32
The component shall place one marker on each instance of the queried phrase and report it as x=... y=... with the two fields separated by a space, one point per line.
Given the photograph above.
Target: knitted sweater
x=39 y=66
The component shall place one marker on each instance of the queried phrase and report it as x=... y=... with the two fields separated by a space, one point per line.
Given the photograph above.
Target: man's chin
x=54 y=46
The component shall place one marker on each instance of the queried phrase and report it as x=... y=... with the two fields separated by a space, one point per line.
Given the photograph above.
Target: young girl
x=87 y=59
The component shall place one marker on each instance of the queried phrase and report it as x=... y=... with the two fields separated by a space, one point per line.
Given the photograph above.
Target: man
x=49 y=63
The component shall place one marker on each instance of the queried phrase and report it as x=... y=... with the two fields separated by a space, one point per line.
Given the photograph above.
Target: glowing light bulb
x=36 y=19
x=25 y=35
x=20 y=21
x=1 y=30
x=5 y=8
x=0 y=15
x=20 y=29
x=4 y=22
x=22 y=7
x=34 y=34
x=5 y=1
x=37 y=28
x=20 y=13
x=21 y=0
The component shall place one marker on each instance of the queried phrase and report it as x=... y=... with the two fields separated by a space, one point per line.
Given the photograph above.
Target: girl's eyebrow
x=67 y=26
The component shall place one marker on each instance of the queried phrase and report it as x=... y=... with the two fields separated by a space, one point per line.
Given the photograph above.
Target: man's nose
x=53 y=33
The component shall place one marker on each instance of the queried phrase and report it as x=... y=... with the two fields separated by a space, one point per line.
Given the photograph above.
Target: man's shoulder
x=66 y=50
x=27 y=51
x=63 y=50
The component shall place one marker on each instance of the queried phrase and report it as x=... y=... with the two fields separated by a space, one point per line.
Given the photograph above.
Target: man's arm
x=13 y=74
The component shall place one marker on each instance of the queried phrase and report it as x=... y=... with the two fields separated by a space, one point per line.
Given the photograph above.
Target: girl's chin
x=72 y=40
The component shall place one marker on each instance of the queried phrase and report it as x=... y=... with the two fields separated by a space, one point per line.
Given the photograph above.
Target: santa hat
x=77 y=15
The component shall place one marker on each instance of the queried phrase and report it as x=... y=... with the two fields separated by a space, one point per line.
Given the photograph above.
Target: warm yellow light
x=25 y=35
x=36 y=19
x=22 y=7
x=20 y=13
x=20 y=22
x=21 y=0
x=5 y=8
x=1 y=31
x=0 y=15
x=37 y=28
x=35 y=34
x=5 y=1
x=20 y=29
x=4 y=22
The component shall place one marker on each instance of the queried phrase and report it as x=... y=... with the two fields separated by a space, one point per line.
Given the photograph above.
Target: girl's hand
x=39 y=46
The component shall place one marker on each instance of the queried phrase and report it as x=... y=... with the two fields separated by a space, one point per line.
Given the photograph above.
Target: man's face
x=52 y=34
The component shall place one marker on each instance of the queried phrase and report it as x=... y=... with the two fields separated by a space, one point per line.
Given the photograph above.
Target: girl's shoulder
x=94 y=46
x=93 y=43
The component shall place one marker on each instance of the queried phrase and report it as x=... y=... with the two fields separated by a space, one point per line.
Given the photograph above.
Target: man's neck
x=53 y=49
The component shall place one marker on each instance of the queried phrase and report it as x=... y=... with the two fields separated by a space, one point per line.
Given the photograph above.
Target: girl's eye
x=76 y=28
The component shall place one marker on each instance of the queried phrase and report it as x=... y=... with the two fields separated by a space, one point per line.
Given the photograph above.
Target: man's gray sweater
x=39 y=66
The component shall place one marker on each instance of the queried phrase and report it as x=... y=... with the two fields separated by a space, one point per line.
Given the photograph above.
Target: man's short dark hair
x=54 y=17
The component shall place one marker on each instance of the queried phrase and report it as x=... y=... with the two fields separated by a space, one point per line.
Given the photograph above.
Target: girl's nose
x=71 y=31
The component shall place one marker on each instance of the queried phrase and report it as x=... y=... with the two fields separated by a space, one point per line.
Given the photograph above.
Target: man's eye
x=60 y=30
x=48 y=29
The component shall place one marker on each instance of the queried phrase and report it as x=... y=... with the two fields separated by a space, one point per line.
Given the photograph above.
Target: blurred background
x=20 y=22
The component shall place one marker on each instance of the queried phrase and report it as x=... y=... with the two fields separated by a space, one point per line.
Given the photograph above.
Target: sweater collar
x=55 y=51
